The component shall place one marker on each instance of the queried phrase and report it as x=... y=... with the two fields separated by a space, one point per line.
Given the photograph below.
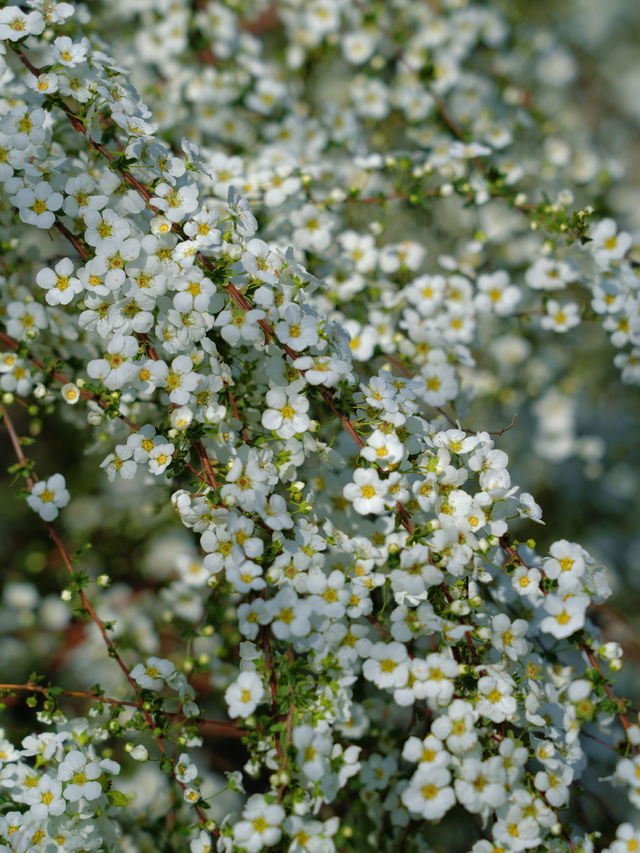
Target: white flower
x=105 y=230
x=194 y=292
x=440 y=382
x=555 y=784
x=70 y=393
x=496 y=293
x=607 y=243
x=287 y=413
x=36 y=204
x=81 y=774
x=560 y=318
x=366 y=492
x=244 y=695
x=181 y=417
x=260 y=824
x=566 y=615
x=48 y=497
x=25 y=319
x=185 y=770
x=60 y=284
x=456 y=728
x=550 y=274
x=275 y=513
x=176 y=203
x=45 y=799
x=526 y=581
x=16 y=24
x=201 y=228
x=120 y=462
x=429 y=793
x=44 y=84
x=508 y=637
x=321 y=370
x=152 y=674
x=481 y=785
x=245 y=576
x=240 y=326
x=261 y=263
x=387 y=665
x=627 y=839
x=528 y=508
x=425 y=752
x=67 y=53
x=496 y=700
x=245 y=221
x=357 y=47
x=160 y=457
x=377 y=770
x=516 y=831
x=468 y=150
x=180 y=380
x=364 y=339
x=310 y=836
x=296 y=329
x=313 y=748
x=566 y=561
x=383 y=448
x=289 y=616
x=201 y=844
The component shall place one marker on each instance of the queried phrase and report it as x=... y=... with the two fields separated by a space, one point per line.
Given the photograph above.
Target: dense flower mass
x=261 y=261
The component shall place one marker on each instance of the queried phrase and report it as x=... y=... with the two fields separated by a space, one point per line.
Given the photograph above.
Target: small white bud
x=139 y=752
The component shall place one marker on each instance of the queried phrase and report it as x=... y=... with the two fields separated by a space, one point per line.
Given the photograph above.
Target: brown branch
x=221 y=727
x=505 y=429
x=75 y=241
x=232 y=403
x=206 y=464
x=626 y=725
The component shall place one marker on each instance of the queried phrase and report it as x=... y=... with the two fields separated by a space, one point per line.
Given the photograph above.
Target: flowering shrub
x=266 y=264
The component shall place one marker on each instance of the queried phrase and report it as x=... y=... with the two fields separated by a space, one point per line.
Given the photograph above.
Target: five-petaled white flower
x=48 y=497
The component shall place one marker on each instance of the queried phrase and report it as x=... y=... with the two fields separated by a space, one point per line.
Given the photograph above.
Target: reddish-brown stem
x=268 y=659
x=236 y=413
x=221 y=727
x=206 y=464
x=624 y=720
x=73 y=239
x=15 y=441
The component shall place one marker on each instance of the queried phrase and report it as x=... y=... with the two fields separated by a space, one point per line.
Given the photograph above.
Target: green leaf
x=117 y=798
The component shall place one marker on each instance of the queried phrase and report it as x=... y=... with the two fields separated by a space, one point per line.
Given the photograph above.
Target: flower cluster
x=325 y=565
x=62 y=790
